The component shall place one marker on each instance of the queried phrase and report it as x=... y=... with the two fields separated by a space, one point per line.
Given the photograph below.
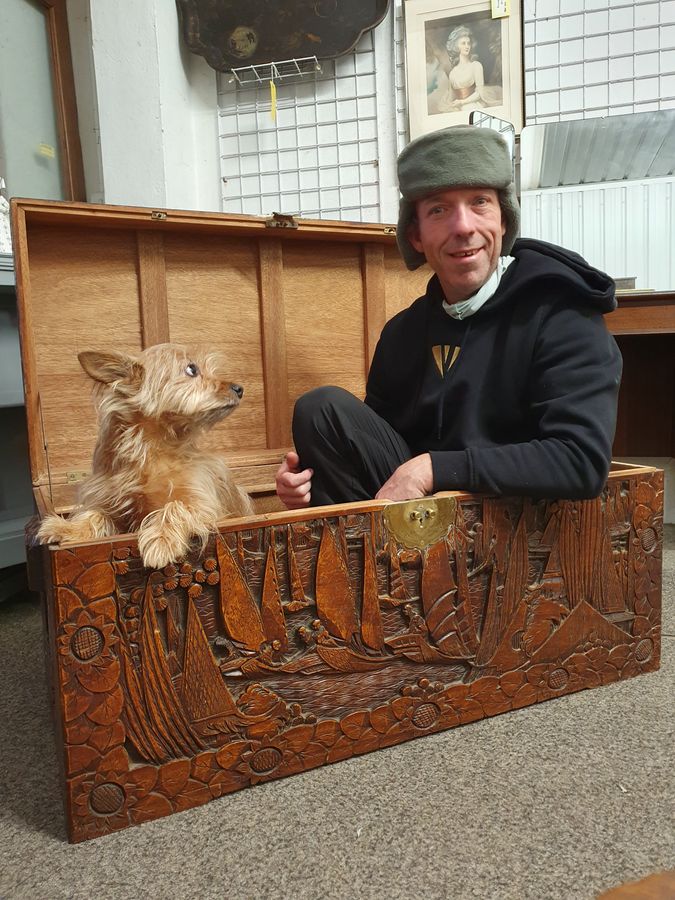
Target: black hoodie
x=529 y=404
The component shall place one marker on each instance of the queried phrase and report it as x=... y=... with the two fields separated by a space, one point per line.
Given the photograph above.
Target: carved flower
x=86 y=642
x=265 y=758
x=103 y=800
x=425 y=705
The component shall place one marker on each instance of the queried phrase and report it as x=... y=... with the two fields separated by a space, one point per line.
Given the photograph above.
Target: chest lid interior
x=293 y=304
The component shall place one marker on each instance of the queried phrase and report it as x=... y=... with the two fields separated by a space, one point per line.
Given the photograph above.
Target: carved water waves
x=286 y=646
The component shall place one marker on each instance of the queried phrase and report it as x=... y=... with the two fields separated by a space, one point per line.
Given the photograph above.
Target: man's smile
x=465 y=254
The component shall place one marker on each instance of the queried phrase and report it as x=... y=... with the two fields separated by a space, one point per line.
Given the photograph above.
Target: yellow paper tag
x=500 y=8
x=273 y=100
x=46 y=150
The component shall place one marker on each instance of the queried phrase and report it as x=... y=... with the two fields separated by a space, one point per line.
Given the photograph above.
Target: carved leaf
x=115 y=761
x=525 y=696
x=202 y=766
x=298 y=738
x=400 y=706
x=618 y=656
x=470 y=711
x=224 y=782
x=67 y=603
x=314 y=755
x=173 y=777
x=229 y=756
x=327 y=732
x=105 y=607
x=67 y=567
x=367 y=742
x=97 y=581
x=151 y=807
x=511 y=682
x=343 y=749
x=382 y=719
x=108 y=709
x=78 y=732
x=74 y=705
x=100 y=738
x=641 y=625
x=100 y=681
x=355 y=724
x=194 y=795
x=145 y=778
x=80 y=758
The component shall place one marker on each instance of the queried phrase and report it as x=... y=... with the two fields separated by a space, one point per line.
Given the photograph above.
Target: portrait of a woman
x=466 y=80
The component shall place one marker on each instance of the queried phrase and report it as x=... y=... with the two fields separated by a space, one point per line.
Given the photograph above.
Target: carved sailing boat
x=298 y=599
x=336 y=608
x=397 y=588
x=238 y=608
x=154 y=714
x=272 y=613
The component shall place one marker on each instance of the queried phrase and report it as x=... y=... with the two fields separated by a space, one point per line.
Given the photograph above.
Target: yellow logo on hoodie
x=445 y=357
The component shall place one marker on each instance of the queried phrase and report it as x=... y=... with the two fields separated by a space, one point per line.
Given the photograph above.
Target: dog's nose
x=238 y=389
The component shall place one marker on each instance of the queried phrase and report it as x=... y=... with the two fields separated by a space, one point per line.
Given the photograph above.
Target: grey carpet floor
x=561 y=800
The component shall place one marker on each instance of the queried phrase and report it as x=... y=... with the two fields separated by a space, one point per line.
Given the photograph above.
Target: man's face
x=460 y=232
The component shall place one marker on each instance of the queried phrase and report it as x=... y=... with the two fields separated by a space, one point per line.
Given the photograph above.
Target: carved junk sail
x=334 y=595
x=371 y=617
x=205 y=694
x=439 y=595
x=239 y=610
x=274 y=624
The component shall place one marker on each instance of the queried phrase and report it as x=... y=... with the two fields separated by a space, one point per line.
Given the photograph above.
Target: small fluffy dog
x=149 y=473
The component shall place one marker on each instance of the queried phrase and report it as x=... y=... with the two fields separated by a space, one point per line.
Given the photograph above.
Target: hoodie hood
x=542 y=264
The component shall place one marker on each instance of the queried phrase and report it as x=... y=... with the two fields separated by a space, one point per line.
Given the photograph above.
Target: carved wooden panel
x=292 y=644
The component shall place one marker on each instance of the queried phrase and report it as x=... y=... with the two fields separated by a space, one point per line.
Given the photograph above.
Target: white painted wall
x=147 y=107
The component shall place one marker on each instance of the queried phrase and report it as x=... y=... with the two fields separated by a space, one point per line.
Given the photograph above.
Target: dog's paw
x=53 y=530
x=86 y=525
x=157 y=550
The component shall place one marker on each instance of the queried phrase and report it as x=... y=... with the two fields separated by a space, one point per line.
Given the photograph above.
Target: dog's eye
x=192 y=369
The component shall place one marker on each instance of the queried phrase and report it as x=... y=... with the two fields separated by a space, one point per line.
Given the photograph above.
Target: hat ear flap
x=406 y=219
x=107 y=367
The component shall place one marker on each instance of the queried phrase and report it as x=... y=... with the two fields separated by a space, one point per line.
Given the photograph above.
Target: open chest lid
x=292 y=303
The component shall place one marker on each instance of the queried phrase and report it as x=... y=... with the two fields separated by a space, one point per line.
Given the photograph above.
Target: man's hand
x=293 y=486
x=412 y=479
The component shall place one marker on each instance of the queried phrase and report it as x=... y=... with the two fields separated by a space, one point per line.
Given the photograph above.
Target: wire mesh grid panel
x=319 y=157
x=589 y=58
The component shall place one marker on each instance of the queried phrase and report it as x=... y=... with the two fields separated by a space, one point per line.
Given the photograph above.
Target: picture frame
x=445 y=85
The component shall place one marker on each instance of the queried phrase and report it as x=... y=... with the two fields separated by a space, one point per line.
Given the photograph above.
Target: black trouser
x=350 y=448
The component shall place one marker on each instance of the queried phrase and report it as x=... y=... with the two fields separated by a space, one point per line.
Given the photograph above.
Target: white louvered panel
x=622 y=229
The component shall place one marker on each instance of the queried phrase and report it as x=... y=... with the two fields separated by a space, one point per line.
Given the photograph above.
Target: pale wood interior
x=291 y=312
x=291 y=309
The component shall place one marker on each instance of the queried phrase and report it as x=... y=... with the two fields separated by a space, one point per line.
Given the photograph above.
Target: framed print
x=460 y=59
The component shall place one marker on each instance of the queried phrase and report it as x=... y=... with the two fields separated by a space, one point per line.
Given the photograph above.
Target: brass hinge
x=158 y=214
x=419 y=523
x=75 y=477
x=281 y=220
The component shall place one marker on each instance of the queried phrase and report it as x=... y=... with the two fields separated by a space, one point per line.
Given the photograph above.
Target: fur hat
x=459 y=156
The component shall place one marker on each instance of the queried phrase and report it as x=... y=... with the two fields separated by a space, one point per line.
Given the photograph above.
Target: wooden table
x=644 y=327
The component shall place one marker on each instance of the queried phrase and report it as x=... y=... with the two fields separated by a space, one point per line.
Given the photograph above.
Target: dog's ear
x=109 y=366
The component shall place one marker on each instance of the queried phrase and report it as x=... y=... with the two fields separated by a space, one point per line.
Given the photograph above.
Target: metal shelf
x=276 y=71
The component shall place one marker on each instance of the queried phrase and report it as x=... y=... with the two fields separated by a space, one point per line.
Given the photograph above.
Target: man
x=501 y=379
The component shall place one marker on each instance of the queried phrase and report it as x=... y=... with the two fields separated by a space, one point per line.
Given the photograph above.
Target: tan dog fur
x=149 y=473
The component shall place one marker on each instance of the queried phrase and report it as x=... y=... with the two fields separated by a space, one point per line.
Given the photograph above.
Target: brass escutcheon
x=419 y=523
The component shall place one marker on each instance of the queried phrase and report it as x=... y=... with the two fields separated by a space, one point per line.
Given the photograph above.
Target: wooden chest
x=296 y=638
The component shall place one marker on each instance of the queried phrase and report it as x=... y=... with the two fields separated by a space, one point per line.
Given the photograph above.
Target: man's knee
x=318 y=405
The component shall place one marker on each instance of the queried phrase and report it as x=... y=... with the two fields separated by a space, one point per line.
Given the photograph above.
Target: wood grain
x=152 y=289
x=273 y=342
